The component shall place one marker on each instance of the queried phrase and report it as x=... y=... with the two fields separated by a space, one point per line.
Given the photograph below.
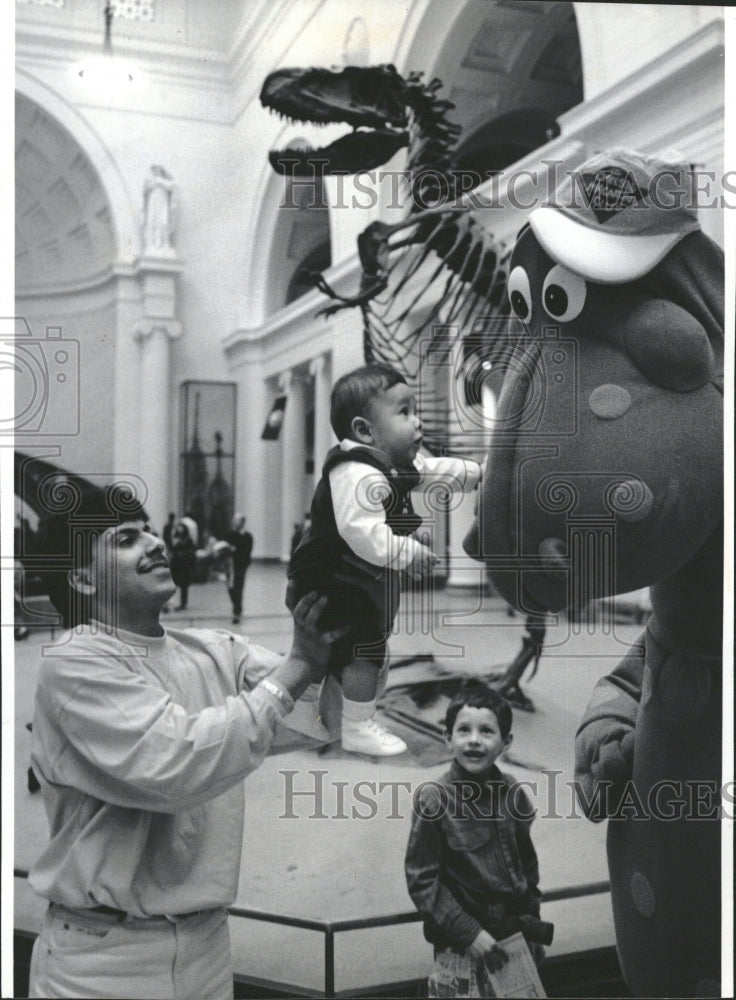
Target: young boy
x=471 y=868
x=141 y=740
x=361 y=535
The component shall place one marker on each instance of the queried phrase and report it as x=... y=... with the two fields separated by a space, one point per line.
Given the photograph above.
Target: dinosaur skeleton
x=436 y=268
x=432 y=271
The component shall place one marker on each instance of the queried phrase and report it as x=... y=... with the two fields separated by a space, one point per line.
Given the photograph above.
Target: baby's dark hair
x=353 y=393
x=475 y=694
x=65 y=540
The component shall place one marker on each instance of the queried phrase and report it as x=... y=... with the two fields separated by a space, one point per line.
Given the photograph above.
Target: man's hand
x=310 y=642
x=486 y=949
x=310 y=648
x=422 y=563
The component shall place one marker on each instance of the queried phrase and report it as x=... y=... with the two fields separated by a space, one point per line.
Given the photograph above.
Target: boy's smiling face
x=476 y=739
x=394 y=426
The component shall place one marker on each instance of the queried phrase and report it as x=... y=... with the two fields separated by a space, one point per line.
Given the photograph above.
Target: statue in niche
x=159 y=211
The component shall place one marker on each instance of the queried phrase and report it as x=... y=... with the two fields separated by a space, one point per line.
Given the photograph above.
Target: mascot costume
x=605 y=476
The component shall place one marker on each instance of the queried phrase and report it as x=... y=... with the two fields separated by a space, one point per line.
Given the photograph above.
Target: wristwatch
x=278 y=692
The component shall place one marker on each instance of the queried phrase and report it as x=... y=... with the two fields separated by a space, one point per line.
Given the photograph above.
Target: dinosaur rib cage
x=445 y=285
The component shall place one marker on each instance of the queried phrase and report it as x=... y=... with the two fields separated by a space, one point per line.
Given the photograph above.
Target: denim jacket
x=470 y=862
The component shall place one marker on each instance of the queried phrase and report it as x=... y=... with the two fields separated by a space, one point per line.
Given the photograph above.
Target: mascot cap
x=615 y=217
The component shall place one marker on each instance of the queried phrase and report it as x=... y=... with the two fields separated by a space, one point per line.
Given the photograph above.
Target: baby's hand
x=422 y=563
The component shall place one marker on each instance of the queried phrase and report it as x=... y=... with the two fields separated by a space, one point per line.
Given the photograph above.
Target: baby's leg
x=361 y=731
x=360 y=680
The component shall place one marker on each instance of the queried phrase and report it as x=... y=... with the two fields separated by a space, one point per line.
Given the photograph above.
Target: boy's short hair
x=353 y=393
x=475 y=694
x=65 y=542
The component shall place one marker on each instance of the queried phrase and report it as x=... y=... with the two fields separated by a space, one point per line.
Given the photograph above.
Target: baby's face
x=476 y=739
x=395 y=425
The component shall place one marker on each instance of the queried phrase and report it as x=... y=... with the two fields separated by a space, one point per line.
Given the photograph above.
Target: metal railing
x=332 y=927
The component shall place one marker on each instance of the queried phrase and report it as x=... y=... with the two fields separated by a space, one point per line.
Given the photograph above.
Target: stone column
x=148 y=419
x=154 y=412
x=126 y=399
x=323 y=437
x=293 y=457
x=464 y=571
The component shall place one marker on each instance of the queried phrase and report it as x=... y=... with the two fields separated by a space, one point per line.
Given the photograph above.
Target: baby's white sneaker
x=370 y=737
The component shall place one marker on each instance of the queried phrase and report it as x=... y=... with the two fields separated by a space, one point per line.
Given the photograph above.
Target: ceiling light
x=106 y=72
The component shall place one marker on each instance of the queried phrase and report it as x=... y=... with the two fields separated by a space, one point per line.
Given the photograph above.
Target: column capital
x=284 y=380
x=147 y=327
x=317 y=365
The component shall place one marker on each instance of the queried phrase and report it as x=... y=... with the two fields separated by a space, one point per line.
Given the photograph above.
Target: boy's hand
x=496 y=958
x=422 y=563
x=537 y=951
x=310 y=642
x=486 y=949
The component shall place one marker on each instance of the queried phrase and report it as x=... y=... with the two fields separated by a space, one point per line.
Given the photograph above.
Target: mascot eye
x=520 y=295
x=563 y=294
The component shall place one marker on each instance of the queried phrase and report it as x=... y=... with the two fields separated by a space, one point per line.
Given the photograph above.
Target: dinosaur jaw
x=370 y=99
x=357 y=151
x=371 y=96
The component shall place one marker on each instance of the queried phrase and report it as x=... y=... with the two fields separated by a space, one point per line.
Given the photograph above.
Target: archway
x=511 y=69
x=76 y=232
x=63 y=220
x=123 y=216
x=293 y=227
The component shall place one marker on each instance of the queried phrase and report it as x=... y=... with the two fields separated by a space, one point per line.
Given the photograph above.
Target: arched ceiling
x=504 y=55
x=64 y=232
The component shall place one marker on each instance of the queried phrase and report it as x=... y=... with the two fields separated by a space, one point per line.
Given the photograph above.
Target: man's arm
x=115 y=736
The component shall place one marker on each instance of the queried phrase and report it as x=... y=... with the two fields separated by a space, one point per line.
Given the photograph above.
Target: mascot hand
x=604 y=744
x=604 y=760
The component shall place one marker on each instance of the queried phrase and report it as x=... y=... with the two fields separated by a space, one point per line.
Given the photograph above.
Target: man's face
x=129 y=572
x=395 y=426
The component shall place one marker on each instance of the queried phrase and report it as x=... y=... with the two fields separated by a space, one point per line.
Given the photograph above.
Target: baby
x=362 y=536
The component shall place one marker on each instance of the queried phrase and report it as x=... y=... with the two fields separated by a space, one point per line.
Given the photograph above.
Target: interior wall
x=618 y=39
x=80 y=405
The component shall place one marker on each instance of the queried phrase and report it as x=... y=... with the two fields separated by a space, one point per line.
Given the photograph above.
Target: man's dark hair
x=475 y=694
x=352 y=394
x=65 y=542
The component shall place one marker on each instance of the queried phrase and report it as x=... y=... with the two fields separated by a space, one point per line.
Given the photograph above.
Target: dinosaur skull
x=370 y=99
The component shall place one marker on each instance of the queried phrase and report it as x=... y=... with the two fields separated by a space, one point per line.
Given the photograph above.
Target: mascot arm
x=604 y=744
x=669 y=346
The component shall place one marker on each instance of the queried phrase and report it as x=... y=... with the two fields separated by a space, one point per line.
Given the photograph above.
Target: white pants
x=83 y=954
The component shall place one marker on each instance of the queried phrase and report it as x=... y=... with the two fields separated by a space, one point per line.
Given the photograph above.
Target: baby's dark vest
x=322 y=551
